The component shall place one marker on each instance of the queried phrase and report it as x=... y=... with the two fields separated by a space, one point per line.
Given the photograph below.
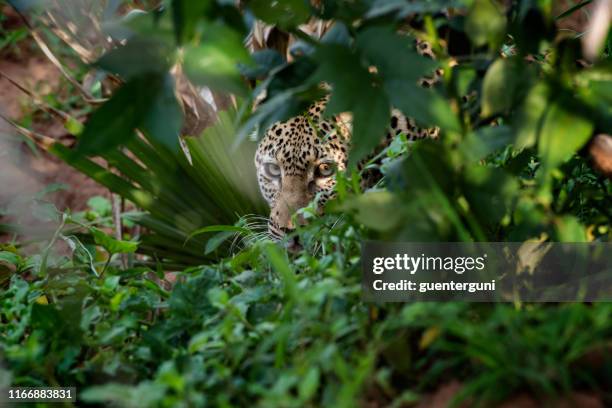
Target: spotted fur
x=290 y=156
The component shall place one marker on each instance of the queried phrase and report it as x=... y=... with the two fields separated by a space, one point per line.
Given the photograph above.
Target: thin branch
x=49 y=54
x=36 y=99
x=85 y=54
x=42 y=141
x=116 y=203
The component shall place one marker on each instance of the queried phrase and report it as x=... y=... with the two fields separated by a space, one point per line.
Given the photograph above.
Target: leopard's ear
x=344 y=122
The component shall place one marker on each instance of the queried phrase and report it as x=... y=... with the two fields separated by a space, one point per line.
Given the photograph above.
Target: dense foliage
x=260 y=329
x=247 y=323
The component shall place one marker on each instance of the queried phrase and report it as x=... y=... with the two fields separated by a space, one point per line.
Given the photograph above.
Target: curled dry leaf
x=601 y=152
x=597 y=29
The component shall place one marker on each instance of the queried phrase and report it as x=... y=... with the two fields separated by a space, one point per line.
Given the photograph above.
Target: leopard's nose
x=293 y=244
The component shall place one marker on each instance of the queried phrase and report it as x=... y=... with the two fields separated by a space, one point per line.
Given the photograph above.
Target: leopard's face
x=296 y=161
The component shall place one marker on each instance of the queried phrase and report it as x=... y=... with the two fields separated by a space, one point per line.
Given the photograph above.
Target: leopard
x=298 y=159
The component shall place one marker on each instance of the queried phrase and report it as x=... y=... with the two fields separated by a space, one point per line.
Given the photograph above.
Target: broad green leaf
x=44 y=211
x=215 y=242
x=283 y=13
x=9 y=264
x=563 y=133
x=47 y=319
x=73 y=126
x=393 y=54
x=463 y=79
x=280 y=264
x=264 y=61
x=370 y=121
x=292 y=76
x=338 y=34
x=278 y=108
x=214 y=62
x=112 y=245
x=569 y=229
x=378 y=210
x=354 y=90
x=101 y=205
x=426 y=106
x=115 y=121
x=217 y=228
x=10 y=258
x=399 y=9
x=309 y=384
x=164 y=119
x=527 y=122
x=486 y=140
x=185 y=14
x=503 y=84
x=81 y=255
x=342 y=68
x=490 y=193
x=485 y=22
x=139 y=56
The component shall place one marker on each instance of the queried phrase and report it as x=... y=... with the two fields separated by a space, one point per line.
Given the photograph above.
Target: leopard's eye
x=325 y=170
x=272 y=170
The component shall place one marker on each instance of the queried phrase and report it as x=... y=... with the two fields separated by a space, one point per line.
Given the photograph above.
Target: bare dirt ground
x=22 y=170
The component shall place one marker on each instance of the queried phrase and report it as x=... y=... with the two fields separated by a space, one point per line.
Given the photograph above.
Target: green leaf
x=283 y=13
x=354 y=90
x=217 y=228
x=185 y=14
x=112 y=245
x=490 y=193
x=399 y=9
x=527 y=122
x=139 y=56
x=264 y=62
x=214 y=62
x=44 y=211
x=146 y=101
x=309 y=384
x=370 y=120
x=46 y=318
x=215 y=242
x=503 y=84
x=280 y=107
x=393 y=54
x=101 y=205
x=73 y=126
x=115 y=121
x=485 y=23
x=378 y=210
x=426 y=106
x=10 y=258
x=281 y=265
x=337 y=34
x=164 y=119
x=563 y=133
x=400 y=67
x=81 y=255
x=569 y=229
x=484 y=141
